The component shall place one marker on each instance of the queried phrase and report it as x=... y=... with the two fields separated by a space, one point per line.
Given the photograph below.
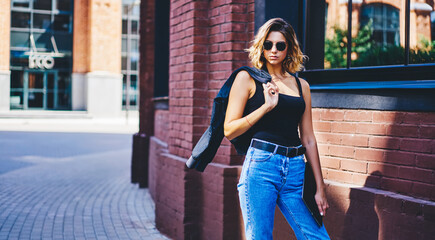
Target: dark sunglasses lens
x=280 y=46
x=267 y=45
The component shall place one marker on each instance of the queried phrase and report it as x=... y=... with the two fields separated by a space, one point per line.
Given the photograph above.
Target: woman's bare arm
x=235 y=124
x=309 y=142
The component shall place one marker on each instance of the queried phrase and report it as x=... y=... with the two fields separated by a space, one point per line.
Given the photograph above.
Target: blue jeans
x=268 y=179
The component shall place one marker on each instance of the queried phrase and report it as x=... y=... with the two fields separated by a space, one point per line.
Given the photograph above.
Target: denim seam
x=291 y=214
x=248 y=212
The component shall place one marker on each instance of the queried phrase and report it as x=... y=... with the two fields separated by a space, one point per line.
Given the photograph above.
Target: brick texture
x=396 y=147
x=207 y=42
x=93 y=41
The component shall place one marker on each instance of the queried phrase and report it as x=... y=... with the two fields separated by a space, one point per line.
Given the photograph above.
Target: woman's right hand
x=270 y=95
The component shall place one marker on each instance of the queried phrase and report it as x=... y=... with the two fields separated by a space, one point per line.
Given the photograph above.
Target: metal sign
x=42 y=60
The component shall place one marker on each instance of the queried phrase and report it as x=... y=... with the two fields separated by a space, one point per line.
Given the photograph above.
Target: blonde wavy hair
x=295 y=58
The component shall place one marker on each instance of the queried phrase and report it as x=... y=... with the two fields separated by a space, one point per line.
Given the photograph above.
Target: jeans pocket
x=260 y=155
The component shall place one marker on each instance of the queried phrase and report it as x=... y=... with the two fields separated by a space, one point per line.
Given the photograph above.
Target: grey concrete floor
x=57 y=185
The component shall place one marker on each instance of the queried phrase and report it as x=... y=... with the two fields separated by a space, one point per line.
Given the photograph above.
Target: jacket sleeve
x=207 y=146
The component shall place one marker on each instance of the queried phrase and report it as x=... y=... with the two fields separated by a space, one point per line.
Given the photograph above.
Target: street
x=58 y=185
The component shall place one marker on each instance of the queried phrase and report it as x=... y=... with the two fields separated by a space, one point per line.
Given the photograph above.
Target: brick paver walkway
x=71 y=186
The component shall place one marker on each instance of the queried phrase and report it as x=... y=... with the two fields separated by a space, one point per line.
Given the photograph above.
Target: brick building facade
x=378 y=164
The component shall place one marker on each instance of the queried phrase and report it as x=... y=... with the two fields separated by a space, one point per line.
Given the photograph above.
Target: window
x=375 y=35
x=130 y=54
x=41 y=28
x=385 y=23
x=386 y=48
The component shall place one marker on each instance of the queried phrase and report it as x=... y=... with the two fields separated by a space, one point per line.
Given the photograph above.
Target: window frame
x=316 y=74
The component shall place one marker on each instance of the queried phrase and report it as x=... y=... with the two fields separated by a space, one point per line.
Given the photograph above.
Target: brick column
x=207 y=39
x=5 y=75
x=97 y=82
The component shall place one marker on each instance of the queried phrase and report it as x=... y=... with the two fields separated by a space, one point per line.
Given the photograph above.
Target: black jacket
x=207 y=146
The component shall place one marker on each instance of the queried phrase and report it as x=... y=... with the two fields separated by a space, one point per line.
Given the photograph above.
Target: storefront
x=69 y=55
x=41 y=54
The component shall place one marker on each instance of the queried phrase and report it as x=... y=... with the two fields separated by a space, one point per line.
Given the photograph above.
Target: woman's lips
x=273 y=57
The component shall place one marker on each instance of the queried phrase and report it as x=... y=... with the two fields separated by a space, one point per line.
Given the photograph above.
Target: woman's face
x=276 y=54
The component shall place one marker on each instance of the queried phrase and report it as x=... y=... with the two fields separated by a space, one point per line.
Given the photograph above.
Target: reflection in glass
x=41 y=21
x=378 y=39
x=16 y=100
x=384 y=21
x=42 y=40
x=20 y=39
x=61 y=23
x=42 y=4
x=63 y=5
x=424 y=50
x=336 y=36
x=20 y=19
x=36 y=80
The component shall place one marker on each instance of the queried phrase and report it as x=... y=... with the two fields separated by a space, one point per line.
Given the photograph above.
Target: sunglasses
x=280 y=46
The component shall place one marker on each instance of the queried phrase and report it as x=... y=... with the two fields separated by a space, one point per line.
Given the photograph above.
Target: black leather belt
x=285 y=151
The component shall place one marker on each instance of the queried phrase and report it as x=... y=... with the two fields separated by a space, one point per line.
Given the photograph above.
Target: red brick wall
x=207 y=39
x=387 y=150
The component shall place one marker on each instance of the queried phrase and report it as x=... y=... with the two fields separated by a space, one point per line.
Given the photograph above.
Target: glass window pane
x=64 y=79
x=17 y=79
x=336 y=36
x=377 y=41
x=134 y=45
x=424 y=50
x=35 y=100
x=124 y=45
x=134 y=27
x=63 y=42
x=21 y=3
x=124 y=63
x=63 y=100
x=19 y=59
x=20 y=39
x=133 y=82
x=16 y=100
x=63 y=5
x=41 y=21
x=50 y=81
x=124 y=26
x=42 y=40
x=134 y=62
x=42 y=4
x=50 y=100
x=20 y=19
x=36 y=80
x=61 y=23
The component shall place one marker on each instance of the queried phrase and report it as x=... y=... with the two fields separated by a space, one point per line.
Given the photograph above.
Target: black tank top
x=280 y=125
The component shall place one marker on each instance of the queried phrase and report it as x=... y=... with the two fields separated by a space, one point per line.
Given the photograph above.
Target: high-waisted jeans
x=268 y=179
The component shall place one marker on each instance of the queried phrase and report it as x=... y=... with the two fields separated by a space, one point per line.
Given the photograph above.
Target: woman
x=272 y=173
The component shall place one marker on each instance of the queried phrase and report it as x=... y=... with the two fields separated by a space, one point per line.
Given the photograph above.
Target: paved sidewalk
x=71 y=186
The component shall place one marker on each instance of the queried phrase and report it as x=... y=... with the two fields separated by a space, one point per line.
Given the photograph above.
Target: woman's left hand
x=322 y=202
